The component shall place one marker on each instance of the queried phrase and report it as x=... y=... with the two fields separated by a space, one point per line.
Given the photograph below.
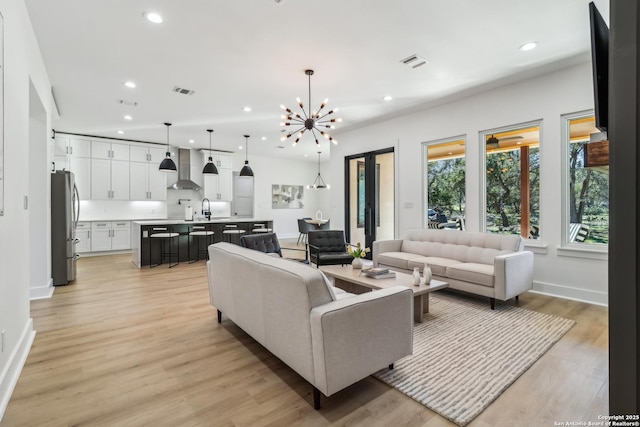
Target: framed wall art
x=285 y=196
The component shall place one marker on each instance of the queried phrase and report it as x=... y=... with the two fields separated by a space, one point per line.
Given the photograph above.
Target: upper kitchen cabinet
x=146 y=154
x=146 y=181
x=74 y=155
x=109 y=171
x=109 y=150
x=66 y=146
x=220 y=186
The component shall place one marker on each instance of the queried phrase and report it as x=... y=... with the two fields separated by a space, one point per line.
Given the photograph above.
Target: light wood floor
x=129 y=347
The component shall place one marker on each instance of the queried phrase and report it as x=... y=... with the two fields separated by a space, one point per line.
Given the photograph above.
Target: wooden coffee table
x=345 y=277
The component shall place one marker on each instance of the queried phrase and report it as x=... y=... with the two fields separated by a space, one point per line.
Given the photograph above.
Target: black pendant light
x=167 y=164
x=210 y=168
x=246 y=169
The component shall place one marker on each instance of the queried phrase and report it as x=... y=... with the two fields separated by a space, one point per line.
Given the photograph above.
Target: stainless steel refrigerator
x=65 y=210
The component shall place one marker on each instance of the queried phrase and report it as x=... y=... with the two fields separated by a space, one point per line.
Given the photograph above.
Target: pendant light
x=319 y=184
x=246 y=169
x=167 y=164
x=210 y=168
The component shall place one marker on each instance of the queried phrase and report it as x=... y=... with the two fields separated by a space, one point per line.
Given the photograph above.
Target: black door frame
x=371 y=208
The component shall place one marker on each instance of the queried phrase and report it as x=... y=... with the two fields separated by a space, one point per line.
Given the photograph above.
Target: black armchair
x=267 y=243
x=327 y=247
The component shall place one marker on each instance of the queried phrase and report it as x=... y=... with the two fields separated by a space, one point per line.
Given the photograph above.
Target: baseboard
x=568 y=292
x=42 y=292
x=9 y=376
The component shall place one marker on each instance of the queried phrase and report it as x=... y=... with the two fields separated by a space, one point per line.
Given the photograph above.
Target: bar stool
x=199 y=233
x=231 y=230
x=261 y=228
x=166 y=237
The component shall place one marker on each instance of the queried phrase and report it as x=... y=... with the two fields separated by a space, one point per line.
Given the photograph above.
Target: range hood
x=184 y=172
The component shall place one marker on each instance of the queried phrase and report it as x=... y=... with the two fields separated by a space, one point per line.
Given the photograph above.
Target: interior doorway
x=370 y=197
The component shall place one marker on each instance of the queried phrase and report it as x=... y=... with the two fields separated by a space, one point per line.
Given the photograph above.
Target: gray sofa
x=491 y=265
x=331 y=339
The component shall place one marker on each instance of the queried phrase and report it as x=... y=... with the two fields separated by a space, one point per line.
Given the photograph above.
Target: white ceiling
x=254 y=52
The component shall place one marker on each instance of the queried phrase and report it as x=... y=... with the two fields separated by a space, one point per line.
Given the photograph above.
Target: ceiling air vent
x=127 y=103
x=414 y=61
x=183 y=91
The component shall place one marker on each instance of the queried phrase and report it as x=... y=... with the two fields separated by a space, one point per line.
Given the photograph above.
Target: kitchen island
x=140 y=244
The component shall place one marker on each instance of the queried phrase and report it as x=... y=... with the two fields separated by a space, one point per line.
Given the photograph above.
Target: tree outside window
x=446 y=186
x=588 y=184
x=513 y=182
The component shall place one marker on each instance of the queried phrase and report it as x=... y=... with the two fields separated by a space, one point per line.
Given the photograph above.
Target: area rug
x=465 y=354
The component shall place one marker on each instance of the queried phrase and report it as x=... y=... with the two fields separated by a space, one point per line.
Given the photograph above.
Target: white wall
x=270 y=170
x=546 y=97
x=23 y=63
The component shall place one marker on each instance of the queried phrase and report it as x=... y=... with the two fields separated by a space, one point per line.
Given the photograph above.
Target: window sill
x=536 y=246
x=578 y=251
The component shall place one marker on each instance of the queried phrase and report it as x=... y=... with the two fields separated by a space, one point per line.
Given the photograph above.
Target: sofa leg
x=391 y=366
x=517 y=299
x=219 y=316
x=316 y=398
x=492 y=301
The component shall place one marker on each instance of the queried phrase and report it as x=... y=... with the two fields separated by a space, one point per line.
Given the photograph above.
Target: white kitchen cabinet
x=67 y=146
x=81 y=168
x=146 y=154
x=220 y=186
x=109 y=179
x=83 y=234
x=120 y=235
x=110 y=235
x=109 y=150
x=147 y=182
x=221 y=160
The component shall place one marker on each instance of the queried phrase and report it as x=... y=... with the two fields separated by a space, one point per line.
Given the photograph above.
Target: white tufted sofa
x=492 y=265
x=332 y=340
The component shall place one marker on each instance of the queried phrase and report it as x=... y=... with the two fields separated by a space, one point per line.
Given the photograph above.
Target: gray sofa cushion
x=481 y=274
x=438 y=265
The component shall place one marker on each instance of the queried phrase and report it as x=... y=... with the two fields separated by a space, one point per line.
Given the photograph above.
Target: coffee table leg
x=425 y=303
x=418 y=315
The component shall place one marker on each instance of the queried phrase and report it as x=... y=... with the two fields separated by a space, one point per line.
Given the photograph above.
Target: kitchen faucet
x=206 y=213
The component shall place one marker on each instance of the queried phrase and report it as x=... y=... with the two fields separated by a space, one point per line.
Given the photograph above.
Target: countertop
x=198 y=221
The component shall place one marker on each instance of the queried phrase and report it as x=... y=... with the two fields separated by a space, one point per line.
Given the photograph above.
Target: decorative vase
x=426 y=274
x=356 y=263
x=416 y=276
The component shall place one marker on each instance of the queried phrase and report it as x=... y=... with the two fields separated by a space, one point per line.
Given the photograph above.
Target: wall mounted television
x=600 y=64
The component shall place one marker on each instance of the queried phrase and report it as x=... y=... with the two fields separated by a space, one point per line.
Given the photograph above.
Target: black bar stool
x=231 y=230
x=200 y=233
x=166 y=238
x=261 y=228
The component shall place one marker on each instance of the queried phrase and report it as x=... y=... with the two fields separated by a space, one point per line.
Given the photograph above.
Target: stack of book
x=378 y=273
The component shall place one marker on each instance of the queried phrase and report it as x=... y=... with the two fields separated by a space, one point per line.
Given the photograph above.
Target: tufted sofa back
x=464 y=246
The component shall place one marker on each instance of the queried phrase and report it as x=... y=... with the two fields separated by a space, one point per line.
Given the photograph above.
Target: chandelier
x=312 y=121
x=319 y=182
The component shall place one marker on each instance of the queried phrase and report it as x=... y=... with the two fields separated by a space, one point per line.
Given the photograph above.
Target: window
x=445 y=186
x=587 y=182
x=513 y=181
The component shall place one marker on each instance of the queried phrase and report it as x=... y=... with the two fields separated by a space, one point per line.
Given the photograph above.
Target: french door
x=370 y=197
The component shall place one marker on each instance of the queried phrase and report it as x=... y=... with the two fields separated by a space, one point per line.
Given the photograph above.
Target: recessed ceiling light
x=264 y=138
x=240 y=147
x=120 y=132
x=246 y=109
x=191 y=141
x=528 y=46
x=130 y=84
x=154 y=17
x=306 y=155
x=128 y=117
x=387 y=98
